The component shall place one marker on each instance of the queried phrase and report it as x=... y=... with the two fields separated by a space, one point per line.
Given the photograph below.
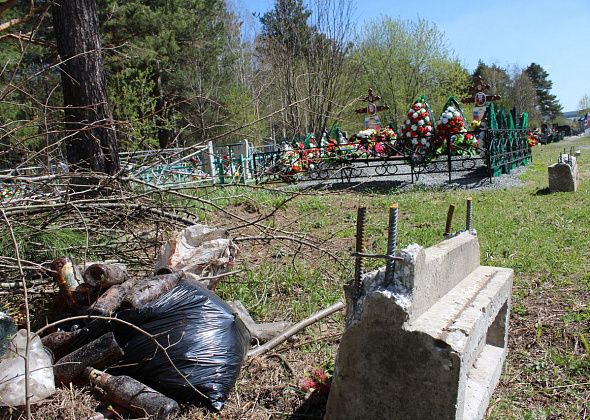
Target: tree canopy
x=548 y=104
x=404 y=59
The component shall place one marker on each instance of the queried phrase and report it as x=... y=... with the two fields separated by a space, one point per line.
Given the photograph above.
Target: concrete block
x=428 y=344
x=564 y=177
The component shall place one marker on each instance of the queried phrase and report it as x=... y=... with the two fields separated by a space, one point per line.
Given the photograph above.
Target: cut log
x=111 y=300
x=133 y=395
x=101 y=353
x=149 y=289
x=59 y=342
x=105 y=275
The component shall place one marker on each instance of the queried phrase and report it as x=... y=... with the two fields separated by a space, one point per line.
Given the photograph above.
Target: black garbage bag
x=203 y=338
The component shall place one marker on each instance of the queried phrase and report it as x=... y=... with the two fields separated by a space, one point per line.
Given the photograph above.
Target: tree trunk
x=91 y=143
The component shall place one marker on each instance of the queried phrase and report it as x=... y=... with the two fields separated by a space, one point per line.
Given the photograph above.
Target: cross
x=371 y=108
x=476 y=90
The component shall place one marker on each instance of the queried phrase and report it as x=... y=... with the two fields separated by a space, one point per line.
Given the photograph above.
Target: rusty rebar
x=449 y=224
x=360 y=248
x=391 y=241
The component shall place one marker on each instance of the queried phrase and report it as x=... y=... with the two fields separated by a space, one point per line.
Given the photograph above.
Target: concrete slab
x=428 y=344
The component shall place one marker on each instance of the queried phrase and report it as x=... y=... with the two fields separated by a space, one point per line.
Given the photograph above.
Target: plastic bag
x=12 y=371
x=203 y=337
x=200 y=250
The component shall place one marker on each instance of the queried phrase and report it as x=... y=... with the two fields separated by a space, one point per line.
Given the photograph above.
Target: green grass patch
x=39 y=245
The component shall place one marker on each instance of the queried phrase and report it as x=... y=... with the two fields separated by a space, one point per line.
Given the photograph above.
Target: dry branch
x=284 y=336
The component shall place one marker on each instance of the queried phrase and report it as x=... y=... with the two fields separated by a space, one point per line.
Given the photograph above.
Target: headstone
x=564 y=175
x=429 y=343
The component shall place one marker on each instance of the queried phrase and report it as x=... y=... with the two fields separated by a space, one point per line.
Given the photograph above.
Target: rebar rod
x=360 y=248
x=391 y=241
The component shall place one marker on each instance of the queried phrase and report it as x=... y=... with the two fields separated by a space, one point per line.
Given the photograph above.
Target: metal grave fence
x=500 y=151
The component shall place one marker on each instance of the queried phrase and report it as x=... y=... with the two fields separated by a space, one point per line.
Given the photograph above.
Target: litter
x=12 y=371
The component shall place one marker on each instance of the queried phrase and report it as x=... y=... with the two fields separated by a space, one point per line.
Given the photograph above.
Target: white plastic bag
x=12 y=371
x=200 y=250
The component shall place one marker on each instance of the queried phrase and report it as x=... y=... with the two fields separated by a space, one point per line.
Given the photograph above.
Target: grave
x=564 y=175
x=427 y=343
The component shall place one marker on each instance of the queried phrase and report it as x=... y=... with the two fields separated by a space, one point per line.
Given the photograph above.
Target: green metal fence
x=507 y=149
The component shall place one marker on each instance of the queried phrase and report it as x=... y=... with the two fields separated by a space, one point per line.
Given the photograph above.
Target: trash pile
x=148 y=343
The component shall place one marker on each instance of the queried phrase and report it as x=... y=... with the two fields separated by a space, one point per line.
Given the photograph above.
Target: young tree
x=523 y=96
x=548 y=104
x=303 y=50
x=405 y=59
x=91 y=142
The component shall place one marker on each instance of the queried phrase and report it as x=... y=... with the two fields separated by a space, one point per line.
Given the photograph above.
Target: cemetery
x=211 y=212
x=416 y=321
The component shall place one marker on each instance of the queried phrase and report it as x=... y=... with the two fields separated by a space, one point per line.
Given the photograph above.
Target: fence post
x=247 y=159
x=449 y=162
x=488 y=142
x=211 y=155
x=255 y=168
x=242 y=170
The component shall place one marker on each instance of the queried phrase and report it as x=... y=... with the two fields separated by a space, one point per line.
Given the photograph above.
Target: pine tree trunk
x=91 y=143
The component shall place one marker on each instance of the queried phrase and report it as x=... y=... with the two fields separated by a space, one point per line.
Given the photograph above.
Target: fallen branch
x=263 y=332
x=260 y=350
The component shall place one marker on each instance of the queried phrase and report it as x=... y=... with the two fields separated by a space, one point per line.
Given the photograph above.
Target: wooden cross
x=477 y=92
x=371 y=108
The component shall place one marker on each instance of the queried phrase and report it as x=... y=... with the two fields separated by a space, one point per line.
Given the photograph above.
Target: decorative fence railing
x=500 y=151
x=168 y=167
x=506 y=149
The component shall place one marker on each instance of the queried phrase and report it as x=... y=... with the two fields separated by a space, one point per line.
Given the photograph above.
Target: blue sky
x=554 y=34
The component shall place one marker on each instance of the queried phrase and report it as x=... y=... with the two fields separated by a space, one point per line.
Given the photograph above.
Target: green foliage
x=584 y=105
x=26 y=86
x=549 y=105
x=132 y=97
x=303 y=57
x=179 y=46
x=42 y=245
x=498 y=79
x=287 y=25
x=405 y=59
x=240 y=110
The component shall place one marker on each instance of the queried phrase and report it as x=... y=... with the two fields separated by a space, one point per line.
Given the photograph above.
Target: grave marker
x=428 y=342
x=372 y=120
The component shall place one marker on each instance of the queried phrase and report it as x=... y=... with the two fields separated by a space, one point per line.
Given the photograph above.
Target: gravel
x=475 y=179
